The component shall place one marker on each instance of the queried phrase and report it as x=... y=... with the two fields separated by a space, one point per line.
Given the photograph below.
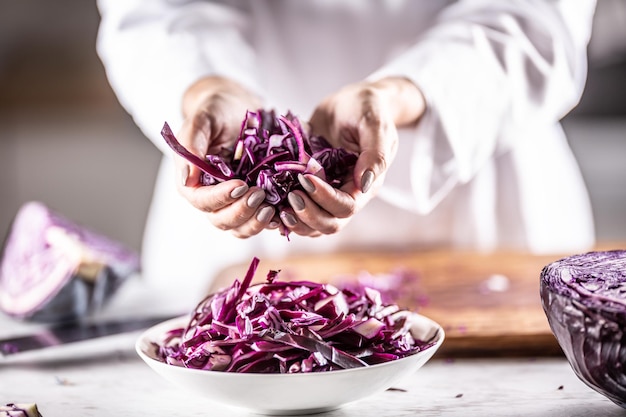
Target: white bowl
x=282 y=394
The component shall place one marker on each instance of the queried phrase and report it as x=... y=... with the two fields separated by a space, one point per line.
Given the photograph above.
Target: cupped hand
x=213 y=108
x=361 y=118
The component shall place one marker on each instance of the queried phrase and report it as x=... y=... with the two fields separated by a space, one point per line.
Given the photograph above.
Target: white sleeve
x=153 y=50
x=485 y=67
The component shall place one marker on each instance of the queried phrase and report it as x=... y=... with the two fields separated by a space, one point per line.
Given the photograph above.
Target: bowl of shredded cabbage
x=290 y=347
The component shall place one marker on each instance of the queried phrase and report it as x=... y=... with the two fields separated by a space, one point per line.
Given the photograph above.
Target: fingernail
x=366 y=180
x=239 y=191
x=306 y=183
x=273 y=224
x=256 y=199
x=184 y=175
x=265 y=214
x=296 y=201
x=288 y=218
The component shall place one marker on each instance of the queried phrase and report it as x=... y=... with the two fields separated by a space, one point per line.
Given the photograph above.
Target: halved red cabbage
x=19 y=410
x=584 y=298
x=55 y=270
x=269 y=153
x=291 y=327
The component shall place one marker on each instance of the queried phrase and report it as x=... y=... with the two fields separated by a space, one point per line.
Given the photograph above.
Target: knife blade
x=74 y=332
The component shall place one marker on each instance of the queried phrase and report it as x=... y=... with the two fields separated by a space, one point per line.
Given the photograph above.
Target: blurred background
x=65 y=140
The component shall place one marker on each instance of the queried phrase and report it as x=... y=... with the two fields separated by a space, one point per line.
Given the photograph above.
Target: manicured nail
x=296 y=201
x=288 y=218
x=273 y=224
x=306 y=183
x=265 y=214
x=184 y=175
x=366 y=180
x=256 y=199
x=239 y=191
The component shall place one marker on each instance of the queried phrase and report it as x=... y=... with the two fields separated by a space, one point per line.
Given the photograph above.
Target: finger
x=291 y=222
x=256 y=224
x=193 y=135
x=240 y=211
x=378 y=139
x=339 y=203
x=215 y=197
x=311 y=215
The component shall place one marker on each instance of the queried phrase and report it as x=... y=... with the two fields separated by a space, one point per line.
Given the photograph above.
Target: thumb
x=378 y=141
x=194 y=139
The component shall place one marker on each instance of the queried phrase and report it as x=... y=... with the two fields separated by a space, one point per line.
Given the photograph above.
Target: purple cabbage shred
x=290 y=327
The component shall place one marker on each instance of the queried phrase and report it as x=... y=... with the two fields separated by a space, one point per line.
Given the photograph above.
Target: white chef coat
x=488 y=166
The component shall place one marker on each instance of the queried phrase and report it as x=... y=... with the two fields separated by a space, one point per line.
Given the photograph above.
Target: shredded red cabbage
x=269 y=153
x=290 y=327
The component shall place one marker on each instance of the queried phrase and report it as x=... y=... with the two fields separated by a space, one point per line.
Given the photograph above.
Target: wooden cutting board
x=488 y=304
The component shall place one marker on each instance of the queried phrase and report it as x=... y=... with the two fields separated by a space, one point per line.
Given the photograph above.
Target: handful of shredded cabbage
x=270 y=152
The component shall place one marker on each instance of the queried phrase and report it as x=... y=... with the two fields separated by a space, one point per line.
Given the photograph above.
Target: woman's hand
x=361 y=118
x=213 y=108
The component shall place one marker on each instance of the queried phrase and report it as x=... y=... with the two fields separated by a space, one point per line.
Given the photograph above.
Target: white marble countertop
x=105 y=377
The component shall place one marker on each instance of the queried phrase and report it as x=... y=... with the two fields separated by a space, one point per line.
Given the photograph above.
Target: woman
x=454 y=108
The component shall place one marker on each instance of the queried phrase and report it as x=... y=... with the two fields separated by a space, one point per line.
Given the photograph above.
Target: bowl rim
x=144 y=338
